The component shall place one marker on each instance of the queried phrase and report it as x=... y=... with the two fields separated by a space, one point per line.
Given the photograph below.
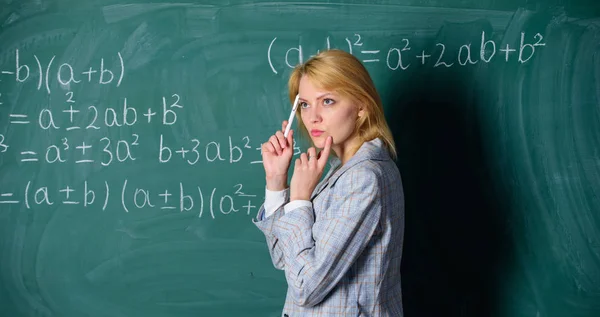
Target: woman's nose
x=315 y=114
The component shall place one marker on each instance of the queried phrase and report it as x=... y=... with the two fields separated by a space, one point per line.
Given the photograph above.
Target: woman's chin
x=318 y=142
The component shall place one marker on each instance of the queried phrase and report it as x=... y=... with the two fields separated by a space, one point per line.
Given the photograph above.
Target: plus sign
x=166 y=195
x=150 y=114
x=249 y=206
x=67 y=190
x=89 y=73
x=423 y=57
x=83 y=147
x=71 y=112
x=507 y=50
x=182 y=152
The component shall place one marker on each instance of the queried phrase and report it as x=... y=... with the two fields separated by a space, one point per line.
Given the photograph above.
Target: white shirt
x=275 y=199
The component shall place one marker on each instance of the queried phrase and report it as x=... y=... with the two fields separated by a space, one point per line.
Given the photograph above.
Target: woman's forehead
x=316 y=88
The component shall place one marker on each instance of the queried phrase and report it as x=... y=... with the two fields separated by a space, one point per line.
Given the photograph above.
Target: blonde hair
x=339 y=71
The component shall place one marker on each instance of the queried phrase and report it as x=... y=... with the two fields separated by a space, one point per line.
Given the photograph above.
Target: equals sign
x=370 y=60
x=31 y=159
x=19 y=118
x=8 y=201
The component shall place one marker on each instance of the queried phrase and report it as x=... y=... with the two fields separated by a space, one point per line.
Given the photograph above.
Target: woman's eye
x=328 y=102
x=303 y=105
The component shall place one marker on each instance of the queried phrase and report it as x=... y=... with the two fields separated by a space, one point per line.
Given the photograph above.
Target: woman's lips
x=316 y=133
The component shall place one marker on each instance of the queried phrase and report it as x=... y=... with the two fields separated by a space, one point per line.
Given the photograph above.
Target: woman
x=339 y=241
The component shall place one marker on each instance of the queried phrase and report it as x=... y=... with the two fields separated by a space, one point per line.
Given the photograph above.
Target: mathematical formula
x=64 y=73
x=107 y=151
x=71 y=147
x=121 y=115
x=186 y=198
x=404 y=55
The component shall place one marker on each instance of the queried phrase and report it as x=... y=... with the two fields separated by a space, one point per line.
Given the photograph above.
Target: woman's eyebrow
x=318 y=97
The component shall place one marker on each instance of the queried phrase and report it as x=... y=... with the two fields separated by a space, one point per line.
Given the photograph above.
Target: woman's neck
x=347 y=150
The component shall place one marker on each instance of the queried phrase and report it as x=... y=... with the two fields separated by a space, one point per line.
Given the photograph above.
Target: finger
x=312 y=156
x=303 y=158
x=275 y=142
x=298 y=164
x=290 y=138
x=268 y=148
x=281 y=139
x=324 y=154
x=283 y=125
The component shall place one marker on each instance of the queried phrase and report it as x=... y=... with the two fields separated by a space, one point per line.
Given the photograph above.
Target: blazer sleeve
x=265 y=224
x=317 y=255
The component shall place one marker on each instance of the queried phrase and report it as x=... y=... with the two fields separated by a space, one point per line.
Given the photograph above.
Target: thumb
x=290 y=138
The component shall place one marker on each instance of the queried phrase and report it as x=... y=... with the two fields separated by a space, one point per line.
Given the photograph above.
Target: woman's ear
x=361 y=112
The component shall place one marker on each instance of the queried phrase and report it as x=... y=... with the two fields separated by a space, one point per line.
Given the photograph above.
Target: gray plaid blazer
x=342 y=256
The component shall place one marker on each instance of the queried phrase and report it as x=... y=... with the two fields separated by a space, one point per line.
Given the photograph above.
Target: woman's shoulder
x=372 y=172
x=376 y=170
x=370 y=164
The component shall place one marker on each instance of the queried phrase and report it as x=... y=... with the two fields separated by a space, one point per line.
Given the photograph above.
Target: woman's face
x=326 y=113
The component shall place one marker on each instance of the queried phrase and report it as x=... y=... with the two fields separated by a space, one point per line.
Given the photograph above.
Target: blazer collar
x=370 y=150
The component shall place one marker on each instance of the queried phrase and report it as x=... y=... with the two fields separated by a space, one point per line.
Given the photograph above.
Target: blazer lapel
x=334 y=164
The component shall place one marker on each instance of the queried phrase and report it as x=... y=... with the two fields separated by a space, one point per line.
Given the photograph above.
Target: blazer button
x=285 y=315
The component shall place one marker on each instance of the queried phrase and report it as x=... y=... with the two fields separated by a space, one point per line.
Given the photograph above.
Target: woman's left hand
x=307 y=172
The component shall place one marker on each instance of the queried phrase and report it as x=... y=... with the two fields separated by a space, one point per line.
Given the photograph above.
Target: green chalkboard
x=130 y=163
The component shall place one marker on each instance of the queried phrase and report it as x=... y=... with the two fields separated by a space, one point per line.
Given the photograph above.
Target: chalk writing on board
x=64 y=73
x=123 y=115
x=106 y=151
x=232 y=152
x=119 y=150
x=403 y=56
x=209 y=202
x=3 y=146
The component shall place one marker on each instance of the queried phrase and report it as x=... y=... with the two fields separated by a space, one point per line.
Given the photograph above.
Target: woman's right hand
x=276 y=156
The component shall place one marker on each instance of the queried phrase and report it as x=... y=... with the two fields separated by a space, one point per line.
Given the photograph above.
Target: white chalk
x=292 y=115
